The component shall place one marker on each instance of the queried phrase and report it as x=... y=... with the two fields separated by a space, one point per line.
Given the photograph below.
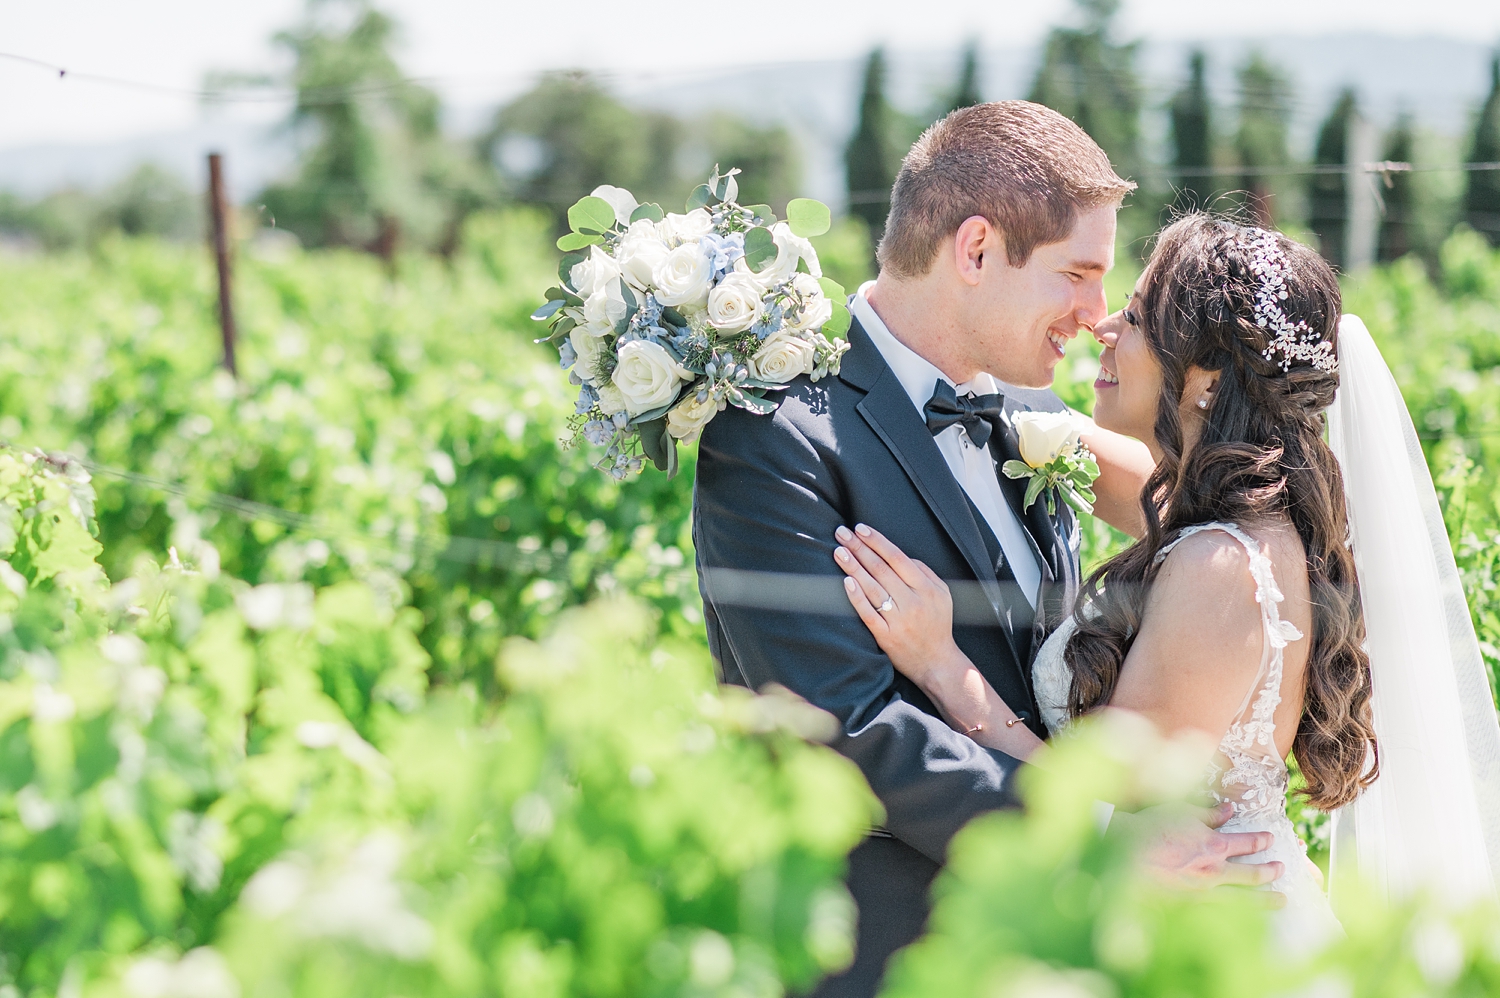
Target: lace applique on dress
x=1253 y=775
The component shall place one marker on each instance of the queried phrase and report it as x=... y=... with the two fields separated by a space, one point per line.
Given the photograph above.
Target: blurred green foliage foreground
x=306 y=700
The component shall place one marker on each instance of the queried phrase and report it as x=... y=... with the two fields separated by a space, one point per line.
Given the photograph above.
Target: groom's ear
x=977 y=245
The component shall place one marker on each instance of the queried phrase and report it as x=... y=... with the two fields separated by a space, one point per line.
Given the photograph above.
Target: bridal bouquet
x=665 y=319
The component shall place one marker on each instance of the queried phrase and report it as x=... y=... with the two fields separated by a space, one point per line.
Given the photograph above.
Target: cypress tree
x=967 y=92
x=869 y=160
x=1482 y=197
x=1327 y=193
x=1261 y=139
x=1192 y=139
x=1092 y=79
x=1398 y=225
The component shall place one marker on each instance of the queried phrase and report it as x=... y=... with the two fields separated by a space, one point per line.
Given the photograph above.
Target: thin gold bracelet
x=1013 y=722
x=977 y=727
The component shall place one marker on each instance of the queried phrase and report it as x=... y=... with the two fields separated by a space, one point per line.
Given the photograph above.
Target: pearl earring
x=1203 y=403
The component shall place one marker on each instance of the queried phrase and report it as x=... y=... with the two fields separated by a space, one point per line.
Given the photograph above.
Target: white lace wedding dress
x=1248 y=772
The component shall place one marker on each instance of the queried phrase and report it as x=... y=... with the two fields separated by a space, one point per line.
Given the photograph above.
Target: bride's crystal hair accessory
x=1289 y=342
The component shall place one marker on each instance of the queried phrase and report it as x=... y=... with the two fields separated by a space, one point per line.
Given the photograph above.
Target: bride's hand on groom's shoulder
x=903 y=602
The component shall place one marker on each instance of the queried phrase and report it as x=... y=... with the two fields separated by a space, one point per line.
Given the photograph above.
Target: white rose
x=688 y=418
x=611 y=399
x=640 y=252
x=683 y=277
x=588 y=343
x=687 y=228
x=783 y=357
x=647 y=376
x=621 y=200
x=817 y=308
x=594 y=273
x=734 y=303
x=604 y=308
x=789 y=249
x=1044 y=435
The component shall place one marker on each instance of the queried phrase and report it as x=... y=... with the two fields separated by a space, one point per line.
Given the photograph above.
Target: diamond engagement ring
x=887 y=606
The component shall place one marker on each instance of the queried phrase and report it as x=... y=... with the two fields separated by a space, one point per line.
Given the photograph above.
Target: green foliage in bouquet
x=669 y=318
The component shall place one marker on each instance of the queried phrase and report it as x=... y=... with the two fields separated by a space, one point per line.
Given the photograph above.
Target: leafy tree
x=149 y=201
x=1092 y=79
x=1192 y=138
x=1482 y=198
x=1261 y=141
x=966 y=94
x=1327 y=192
x=1398 y=224
x=568 y=134
x=872 y=158
x=379 y=171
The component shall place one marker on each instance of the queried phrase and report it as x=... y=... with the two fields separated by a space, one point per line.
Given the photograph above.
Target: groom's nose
x=1091 y=306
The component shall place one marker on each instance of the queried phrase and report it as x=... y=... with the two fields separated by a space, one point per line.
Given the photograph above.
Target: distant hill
x=1441 y=81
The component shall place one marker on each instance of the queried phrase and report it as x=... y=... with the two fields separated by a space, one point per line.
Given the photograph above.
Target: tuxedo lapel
x=890 y=413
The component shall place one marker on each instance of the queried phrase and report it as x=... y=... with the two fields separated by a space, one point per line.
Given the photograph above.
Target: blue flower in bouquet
x=566 y=354
x=722 y=251
x=588 y=397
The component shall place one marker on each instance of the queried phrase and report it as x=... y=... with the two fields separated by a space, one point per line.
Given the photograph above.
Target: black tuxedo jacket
x=853 y=449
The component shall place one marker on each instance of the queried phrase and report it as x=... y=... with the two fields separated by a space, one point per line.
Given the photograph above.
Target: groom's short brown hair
x=1025 y=167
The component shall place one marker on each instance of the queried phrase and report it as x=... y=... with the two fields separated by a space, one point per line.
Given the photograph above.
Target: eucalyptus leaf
x=651 y=212
x=548 y=310
x=654 y=441
x=700 y=197
x=577 y=240
x=834 y=290
x=762 y=212
x=631 y=304
x=760 y=248
x=838 y=323
x=591 y=214
x=756 y=404
x=653 y=415
x=672 y=317
x=808 y=218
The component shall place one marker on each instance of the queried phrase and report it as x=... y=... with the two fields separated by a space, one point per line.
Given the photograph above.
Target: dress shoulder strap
x=1259 y=727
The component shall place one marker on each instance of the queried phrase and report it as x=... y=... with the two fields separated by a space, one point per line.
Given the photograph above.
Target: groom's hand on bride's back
x=1182 y=847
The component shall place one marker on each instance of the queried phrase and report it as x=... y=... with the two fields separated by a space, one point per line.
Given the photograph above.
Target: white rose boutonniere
x=1055 y=461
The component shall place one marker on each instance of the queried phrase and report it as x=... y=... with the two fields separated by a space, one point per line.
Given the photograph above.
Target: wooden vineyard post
x=218 y=210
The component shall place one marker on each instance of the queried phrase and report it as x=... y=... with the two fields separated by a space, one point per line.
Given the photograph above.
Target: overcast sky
x=474 y=50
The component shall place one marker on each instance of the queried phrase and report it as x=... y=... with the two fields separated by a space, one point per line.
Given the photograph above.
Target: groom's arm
x=767 y=503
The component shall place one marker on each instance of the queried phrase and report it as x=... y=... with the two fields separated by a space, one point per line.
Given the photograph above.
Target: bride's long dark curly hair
x=1261 y=456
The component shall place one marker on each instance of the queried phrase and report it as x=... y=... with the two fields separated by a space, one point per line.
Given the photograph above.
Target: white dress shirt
x=972 y=466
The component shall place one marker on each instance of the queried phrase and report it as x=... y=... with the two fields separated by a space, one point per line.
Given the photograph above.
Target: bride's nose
x=1106 y=332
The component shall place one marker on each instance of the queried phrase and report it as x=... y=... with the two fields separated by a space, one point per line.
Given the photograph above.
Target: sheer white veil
x=1432 y=819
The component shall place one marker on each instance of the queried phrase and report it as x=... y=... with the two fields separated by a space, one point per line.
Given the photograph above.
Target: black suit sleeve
x=767 y=502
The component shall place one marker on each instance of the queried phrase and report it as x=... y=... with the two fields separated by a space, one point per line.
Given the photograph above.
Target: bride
x=1242 y=610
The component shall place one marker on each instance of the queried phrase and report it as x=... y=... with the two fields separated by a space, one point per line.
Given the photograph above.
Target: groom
x=1001 y=228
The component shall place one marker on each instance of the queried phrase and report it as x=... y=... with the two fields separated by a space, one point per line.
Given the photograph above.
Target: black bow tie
x=979 y=415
